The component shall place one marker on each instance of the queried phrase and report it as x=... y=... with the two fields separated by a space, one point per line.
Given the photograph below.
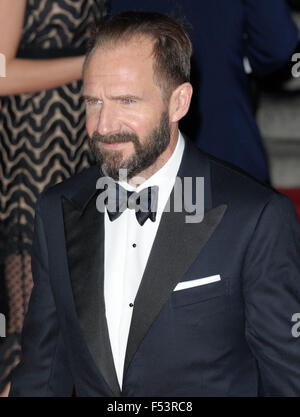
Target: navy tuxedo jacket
x=224 y=32
x=232 y=337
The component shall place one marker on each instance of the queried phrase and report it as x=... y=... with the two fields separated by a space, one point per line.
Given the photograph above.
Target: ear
x=180 y=102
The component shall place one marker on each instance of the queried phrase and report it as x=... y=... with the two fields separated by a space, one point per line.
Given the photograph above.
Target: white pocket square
x=197 y=282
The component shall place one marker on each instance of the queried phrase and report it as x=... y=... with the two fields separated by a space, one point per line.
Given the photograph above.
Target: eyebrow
x=120 y=97
x=86 y=97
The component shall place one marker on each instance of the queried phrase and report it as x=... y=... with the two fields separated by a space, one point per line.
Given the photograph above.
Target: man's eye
x=92 y=101
x=128 y=100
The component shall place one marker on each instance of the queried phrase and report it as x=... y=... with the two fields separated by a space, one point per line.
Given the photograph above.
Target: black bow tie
x=144 y=203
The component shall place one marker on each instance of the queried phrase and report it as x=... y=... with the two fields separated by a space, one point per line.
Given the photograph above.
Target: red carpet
x=294 y=195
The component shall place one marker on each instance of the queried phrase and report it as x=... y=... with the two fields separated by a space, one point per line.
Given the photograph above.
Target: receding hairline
x=112 y=43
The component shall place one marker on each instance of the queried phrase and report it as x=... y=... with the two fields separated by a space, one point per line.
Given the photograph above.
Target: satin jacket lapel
x=84 y=231
x=171 y=257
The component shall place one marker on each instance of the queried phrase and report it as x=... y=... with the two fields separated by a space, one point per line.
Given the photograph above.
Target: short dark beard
x=145 y=154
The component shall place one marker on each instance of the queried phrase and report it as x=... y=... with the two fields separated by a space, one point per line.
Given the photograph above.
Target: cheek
x=141 y=123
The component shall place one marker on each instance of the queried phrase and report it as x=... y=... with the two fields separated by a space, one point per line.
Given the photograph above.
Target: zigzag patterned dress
x=42 y=141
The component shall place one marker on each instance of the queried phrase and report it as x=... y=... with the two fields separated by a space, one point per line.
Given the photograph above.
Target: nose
x=107 y=121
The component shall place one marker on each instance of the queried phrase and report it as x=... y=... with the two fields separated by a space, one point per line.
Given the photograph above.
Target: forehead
x=129 y=62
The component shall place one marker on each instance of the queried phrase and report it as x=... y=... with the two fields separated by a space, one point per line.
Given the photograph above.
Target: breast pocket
x=201 y=294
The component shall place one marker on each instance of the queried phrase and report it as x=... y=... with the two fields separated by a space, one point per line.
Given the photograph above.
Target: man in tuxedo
x=138 y=298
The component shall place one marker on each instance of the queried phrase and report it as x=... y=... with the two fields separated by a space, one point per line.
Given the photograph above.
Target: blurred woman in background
x=42 y=132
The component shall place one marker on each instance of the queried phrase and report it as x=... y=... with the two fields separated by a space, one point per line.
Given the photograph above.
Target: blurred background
x=278 y=118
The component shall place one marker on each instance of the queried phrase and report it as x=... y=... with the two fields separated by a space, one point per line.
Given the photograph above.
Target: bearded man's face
x=146 y=150
x=126 y=117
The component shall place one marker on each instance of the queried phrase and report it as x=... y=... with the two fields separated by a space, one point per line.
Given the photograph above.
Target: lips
x=115 y=146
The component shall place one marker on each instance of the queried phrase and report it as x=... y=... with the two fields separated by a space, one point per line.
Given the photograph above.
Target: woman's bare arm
x=29 y=75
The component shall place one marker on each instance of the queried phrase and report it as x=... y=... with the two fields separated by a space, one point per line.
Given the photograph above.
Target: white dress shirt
x=127 y=249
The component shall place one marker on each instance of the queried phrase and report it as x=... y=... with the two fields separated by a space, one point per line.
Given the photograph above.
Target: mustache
x=115 y=138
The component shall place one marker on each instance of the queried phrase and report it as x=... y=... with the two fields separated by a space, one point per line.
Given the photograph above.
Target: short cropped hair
x=172 y=47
